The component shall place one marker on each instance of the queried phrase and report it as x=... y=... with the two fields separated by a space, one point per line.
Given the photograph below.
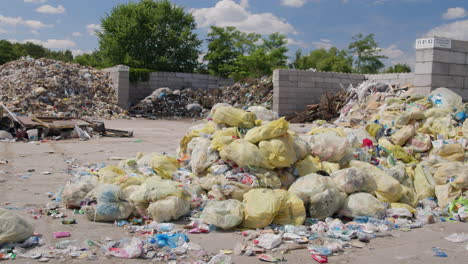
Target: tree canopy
x=334 y=60
x=366 y=50
x=398 y=68
x=150 y=34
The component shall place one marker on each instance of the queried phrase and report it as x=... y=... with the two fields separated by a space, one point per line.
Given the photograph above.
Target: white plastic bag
x=353 y=180
x=362 y=204
x=224 y=214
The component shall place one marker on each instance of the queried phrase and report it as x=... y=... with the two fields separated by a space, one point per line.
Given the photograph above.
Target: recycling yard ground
x=163 y=136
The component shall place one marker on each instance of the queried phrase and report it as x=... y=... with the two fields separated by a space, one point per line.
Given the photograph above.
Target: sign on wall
x=433 y=43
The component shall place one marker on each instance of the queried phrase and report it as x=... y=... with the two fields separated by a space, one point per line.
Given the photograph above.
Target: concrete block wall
x=120 y=75
x=174 y=81
x=293 y=89
x=443 y=67
x=392 y=78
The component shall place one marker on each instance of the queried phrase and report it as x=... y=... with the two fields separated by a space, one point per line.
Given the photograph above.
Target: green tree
x=366 y=50
x=65 y=56
x=398 y=68
x=30 y=49
x=333 y=60
x=150 y=34
x=7 y=52
x=225 y=45
x=95 y=59
x=262 y=59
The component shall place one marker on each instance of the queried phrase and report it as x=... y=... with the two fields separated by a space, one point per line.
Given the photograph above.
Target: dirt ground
x=162 y=136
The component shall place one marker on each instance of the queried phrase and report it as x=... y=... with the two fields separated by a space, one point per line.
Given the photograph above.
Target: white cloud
x=77 y=52
x=53 y=43
x=323 y=44
x=77 y=34
x=293 y=3
x=231 y=13
x=244 y=3
x=456 y=30
x=294 y=42
x=15 y=21
x=34 y=32
x=48 y=9
x=454 y=13
x=396 y=55
x=35 y=1
x=92 y=28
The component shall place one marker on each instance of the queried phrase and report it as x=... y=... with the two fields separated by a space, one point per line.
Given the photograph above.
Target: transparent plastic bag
x=13 y=228
x=224 y=214
x=168 y=208
x=353 y=180
x=362 y=204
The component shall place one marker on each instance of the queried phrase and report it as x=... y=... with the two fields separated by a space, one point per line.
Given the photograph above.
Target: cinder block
x=424 y=55
x=296 y=78
x=456 y=82
x=425 y=67
x=465 y=86
x=287 y=83
x=287 y=72
x=306 y=84
x=458 y=45
x=421 y=80
x=310 y=74
x=449 y=56
x=458 y=70
x=357 y=76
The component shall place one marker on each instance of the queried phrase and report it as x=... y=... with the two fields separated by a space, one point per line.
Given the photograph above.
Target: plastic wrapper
x=13 y=229
x=423 y=183
x=244 y=154
x=402 y=135
x=75 y=191
x=164 y=166
x=362 y=204
x=445 y=98
x=326 y=203
x=168 y=208
x=278 y=152
x=224 y=214
x=301 y=147
x=128 y=249
x=110 y=206
x=262 y=113
x=203 y=156
x=310 y=185
x=420 y=143
x=356 y=136
x=329 y=147
x=388 y=189
x=224 y=137
x=353 y=180
x=451 y=152
x=234 y=117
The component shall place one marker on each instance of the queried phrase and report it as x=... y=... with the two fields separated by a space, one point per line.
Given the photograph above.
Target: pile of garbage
x=164 y=102
x=335 y=187
x=46 y=87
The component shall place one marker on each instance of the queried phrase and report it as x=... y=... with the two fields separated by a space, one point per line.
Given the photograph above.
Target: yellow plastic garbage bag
x=224 y=214
x=353 y=180
x=362 y=204
x=308 y=165
x=271 y=130
x=168 y=208
x=154 y=189
x=278 y=152
x=320 y=130
x=445 y=98
x=202 y=156
x=164 y=166
x=206 y=128
x=389 y=190
x=244 y=154
x=372 y=129
x=14 y=229
x=423 y=183
x=409 y=196
x=397 y=151
x=310 y=185
x=455 y=173
x=109 y=174
x=224 y=137
x=439 y=126
x=465 y=128
x=330 y=167
x=446 y=194
x=268 y=178
x=451 y=152
x=234 y=117
x=261 y=207
x=326 y=203
x=301 y=147
x=329 y=146
x=292 y=211
x=403 y=205
x=402 y=135
x=128 y=180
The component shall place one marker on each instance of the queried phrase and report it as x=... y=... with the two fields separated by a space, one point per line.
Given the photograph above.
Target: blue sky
x=308 y=24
